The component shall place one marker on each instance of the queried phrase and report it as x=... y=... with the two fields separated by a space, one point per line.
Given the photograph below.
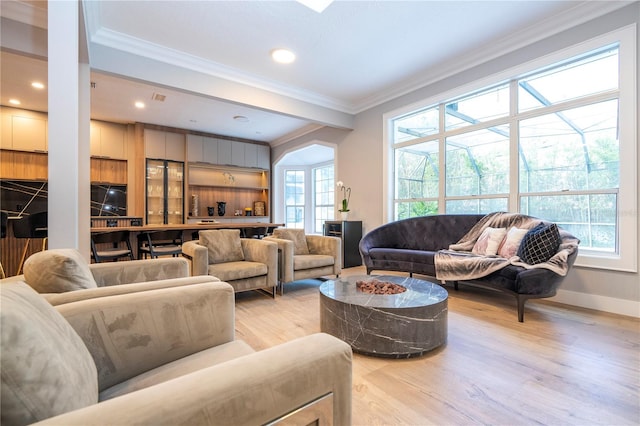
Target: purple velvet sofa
x=410 y=245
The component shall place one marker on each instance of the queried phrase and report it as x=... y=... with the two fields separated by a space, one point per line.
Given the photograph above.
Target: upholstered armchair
x=306 y=256
x=245 y=263
x=159 y=357
x=58 y=273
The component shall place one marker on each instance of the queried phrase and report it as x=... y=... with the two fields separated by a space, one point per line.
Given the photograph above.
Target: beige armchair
x=58 y=273
x=245 y=263
x=159 y=357
x=306 y=256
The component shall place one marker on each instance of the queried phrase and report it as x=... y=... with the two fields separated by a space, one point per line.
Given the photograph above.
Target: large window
x=294 y=198
x=323 y=192
x=548 y=142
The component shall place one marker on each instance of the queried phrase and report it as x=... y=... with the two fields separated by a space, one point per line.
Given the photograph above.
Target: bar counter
x=186 y=227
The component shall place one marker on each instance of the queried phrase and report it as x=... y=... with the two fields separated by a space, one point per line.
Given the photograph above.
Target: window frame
x=626 y=258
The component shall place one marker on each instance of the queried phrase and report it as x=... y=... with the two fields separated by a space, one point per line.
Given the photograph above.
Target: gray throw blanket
x=459 y=263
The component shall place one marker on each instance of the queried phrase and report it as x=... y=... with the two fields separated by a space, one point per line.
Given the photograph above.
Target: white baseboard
x=601 y=303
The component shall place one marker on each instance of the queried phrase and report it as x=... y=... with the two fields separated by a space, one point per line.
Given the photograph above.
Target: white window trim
x=627 y=258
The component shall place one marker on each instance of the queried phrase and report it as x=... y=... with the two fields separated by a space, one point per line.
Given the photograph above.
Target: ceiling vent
x=158 y=97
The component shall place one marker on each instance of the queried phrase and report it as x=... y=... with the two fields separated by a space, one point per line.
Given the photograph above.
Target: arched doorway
x=303 y=186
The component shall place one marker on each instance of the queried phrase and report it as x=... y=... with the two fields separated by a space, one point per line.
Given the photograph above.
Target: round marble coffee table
x=399 y=325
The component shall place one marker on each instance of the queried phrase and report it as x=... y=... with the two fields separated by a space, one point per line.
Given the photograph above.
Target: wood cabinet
x=24 y=165
x=108 y=140
x=164 y=145
x=238 y=187
x=23 y=130
x=105 y=170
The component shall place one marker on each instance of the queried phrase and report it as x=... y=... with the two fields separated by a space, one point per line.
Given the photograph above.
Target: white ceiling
x=211 y=58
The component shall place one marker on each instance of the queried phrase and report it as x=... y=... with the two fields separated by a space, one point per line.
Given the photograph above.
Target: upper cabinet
x=202 y=149
x=23 y=130
x=224 y=152
x=164 y=145
x=108 y=140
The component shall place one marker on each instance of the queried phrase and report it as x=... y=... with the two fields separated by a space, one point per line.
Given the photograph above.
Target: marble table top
x=419 y=292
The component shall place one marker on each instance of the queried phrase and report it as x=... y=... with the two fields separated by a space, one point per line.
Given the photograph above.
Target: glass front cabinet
x=165 y=192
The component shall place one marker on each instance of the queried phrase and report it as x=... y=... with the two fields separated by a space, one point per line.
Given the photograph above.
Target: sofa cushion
x=46 y=368
x=539 y=244
x=189 y=364
x=309 y=261
x=57 y=271
x=511 y=242
x=297 y=236
x=489 y=241
x=223 y=245
x=231 y=271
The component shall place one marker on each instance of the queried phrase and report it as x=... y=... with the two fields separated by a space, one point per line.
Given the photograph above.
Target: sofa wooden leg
x=521 y=302
x=455 y=285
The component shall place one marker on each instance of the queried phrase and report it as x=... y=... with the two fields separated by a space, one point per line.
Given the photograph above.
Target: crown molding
x=579 y=14
x=135 y=46
x=309 y=128
x=27 y=13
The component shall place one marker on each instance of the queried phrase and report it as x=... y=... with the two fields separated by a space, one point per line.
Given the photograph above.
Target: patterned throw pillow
x=489 y=241
x=539 y=244
x=511 y=242
x=297 y=236
x=223 y=245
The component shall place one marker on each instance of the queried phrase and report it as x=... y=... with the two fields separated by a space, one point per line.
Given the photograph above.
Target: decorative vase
x=344 y=215
x=194 y=205
x=222 y=207
x=210 y=211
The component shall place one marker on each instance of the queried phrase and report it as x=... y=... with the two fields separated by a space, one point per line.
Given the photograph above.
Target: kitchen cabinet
x=106 y=170
x=23 y=130
x=107 y=140
x=164 y=145
x=224 y=152
x=237 y=154
x=164 y=192
x=202 y=149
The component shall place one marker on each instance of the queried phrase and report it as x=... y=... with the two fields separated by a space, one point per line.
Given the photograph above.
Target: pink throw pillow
x=489 y=241
x=510 y=245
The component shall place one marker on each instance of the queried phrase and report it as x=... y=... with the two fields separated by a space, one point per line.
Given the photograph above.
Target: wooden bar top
x=187 y=227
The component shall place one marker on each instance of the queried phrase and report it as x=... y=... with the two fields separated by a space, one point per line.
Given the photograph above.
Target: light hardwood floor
x=562 y=366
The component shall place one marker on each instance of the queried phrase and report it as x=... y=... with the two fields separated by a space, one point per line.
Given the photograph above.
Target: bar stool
x=30 y=227
x=114 y=252
x=160 y=243
x=256 y=232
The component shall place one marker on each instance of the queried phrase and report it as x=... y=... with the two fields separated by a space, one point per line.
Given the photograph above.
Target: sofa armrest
x=198 y=256
x=330 y=246
x=253 y=389
x=264 y=252
x=135 y=271
x=56 y=299
x=286 y=248
x=129 y=334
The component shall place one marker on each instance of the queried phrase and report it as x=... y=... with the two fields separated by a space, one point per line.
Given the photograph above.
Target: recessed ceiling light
x=14 y=102
x=241 y=118
x=283 y=56
x=139 y=104
x=37 y=85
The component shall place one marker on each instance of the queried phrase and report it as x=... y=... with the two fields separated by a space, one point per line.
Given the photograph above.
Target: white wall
x=359 y=161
